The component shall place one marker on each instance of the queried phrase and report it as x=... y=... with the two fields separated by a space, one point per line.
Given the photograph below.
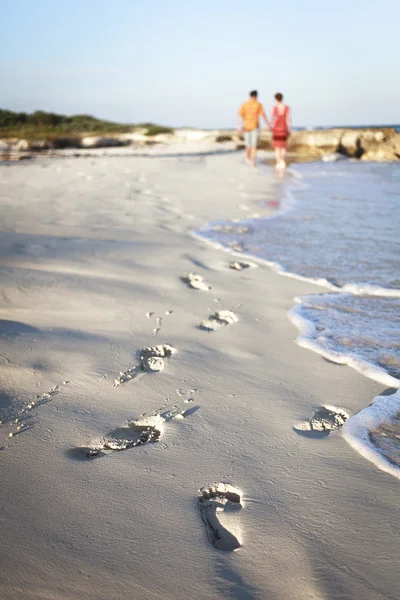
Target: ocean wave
x=355 y=288
x=375 y=433
x=336 y=229
x=346 y=340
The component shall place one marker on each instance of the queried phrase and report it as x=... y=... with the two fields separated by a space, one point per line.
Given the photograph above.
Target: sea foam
x=342 y=329
x=336 y=228
x=362 y=432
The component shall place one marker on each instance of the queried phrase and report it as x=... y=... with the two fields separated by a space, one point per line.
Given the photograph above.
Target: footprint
x=239 y=266
x=212 y=499
x=125 y=376
x=177 y=414
x=196 y=282
x=219 y=319
x=136 y=433
x=12 y=411
x=326 y=419
x=151 y=359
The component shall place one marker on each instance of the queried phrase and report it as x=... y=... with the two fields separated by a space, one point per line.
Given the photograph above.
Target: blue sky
x=180 y=62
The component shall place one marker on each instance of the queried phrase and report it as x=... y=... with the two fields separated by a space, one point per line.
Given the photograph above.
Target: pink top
x=279 y=124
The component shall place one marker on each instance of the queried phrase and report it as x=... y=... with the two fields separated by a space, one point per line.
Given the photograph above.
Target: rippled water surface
x=342 y=231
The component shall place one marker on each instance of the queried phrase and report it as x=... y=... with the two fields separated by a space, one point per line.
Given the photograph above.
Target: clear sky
x=180 y=62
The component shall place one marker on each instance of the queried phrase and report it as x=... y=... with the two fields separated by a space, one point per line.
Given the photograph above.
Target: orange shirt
x=250 y=112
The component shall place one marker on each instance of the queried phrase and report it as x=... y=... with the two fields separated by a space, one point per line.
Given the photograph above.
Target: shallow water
x=338 y=228
x=337 y=225
x=362 y=331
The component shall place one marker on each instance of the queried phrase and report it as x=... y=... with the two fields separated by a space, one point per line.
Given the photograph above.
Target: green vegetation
x=61 y=131
x=49 y=126
x=147 y=125
x=156 y=129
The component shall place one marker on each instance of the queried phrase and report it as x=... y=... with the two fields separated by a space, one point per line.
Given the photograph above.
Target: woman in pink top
x=280 y=126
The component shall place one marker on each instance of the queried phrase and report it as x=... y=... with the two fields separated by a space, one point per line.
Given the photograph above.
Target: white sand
x=88 y=247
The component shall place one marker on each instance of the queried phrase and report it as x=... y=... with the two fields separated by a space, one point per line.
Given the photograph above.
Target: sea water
x=338 y=226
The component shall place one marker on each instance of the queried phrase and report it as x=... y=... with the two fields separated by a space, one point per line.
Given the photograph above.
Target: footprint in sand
x=213 y=499
x=219 y=319
x=17 y=415
x=151 y=359
x=239 y=266
x=326 y=419
x=136 y=433
x=196 y=282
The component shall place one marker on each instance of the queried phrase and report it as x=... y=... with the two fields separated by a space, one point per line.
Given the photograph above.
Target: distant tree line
x=47 y=120
x=42 y=123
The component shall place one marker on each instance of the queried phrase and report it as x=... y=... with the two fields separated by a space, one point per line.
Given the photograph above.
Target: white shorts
x=251 y=138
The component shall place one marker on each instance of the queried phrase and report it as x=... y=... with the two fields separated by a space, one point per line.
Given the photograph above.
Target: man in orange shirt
x=249 y=122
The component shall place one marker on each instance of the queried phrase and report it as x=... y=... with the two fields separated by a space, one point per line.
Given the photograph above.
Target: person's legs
x=283 y=156
x=280 y=157
x=253 y=155
x=253 y=145
x=251 y=141
x=277 y=156
x=247 y=141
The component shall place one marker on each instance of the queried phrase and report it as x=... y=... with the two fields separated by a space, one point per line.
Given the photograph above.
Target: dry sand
x=92 y=255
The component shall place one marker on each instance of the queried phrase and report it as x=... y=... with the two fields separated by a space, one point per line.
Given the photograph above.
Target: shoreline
x=380 y=144
x=375 y=414
x=306 y=327
x=83 y=280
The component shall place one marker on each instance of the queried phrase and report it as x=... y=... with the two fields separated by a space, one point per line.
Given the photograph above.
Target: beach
x=93 y=251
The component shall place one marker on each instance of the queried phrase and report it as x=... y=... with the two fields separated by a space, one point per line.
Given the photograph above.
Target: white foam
x=357 y=289
x=366 y=289
x=306 y=339
x=295 y=182
x=356 y=431
x=333 y=157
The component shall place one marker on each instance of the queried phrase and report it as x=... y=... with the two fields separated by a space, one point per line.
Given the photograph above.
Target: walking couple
x=280 y=125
